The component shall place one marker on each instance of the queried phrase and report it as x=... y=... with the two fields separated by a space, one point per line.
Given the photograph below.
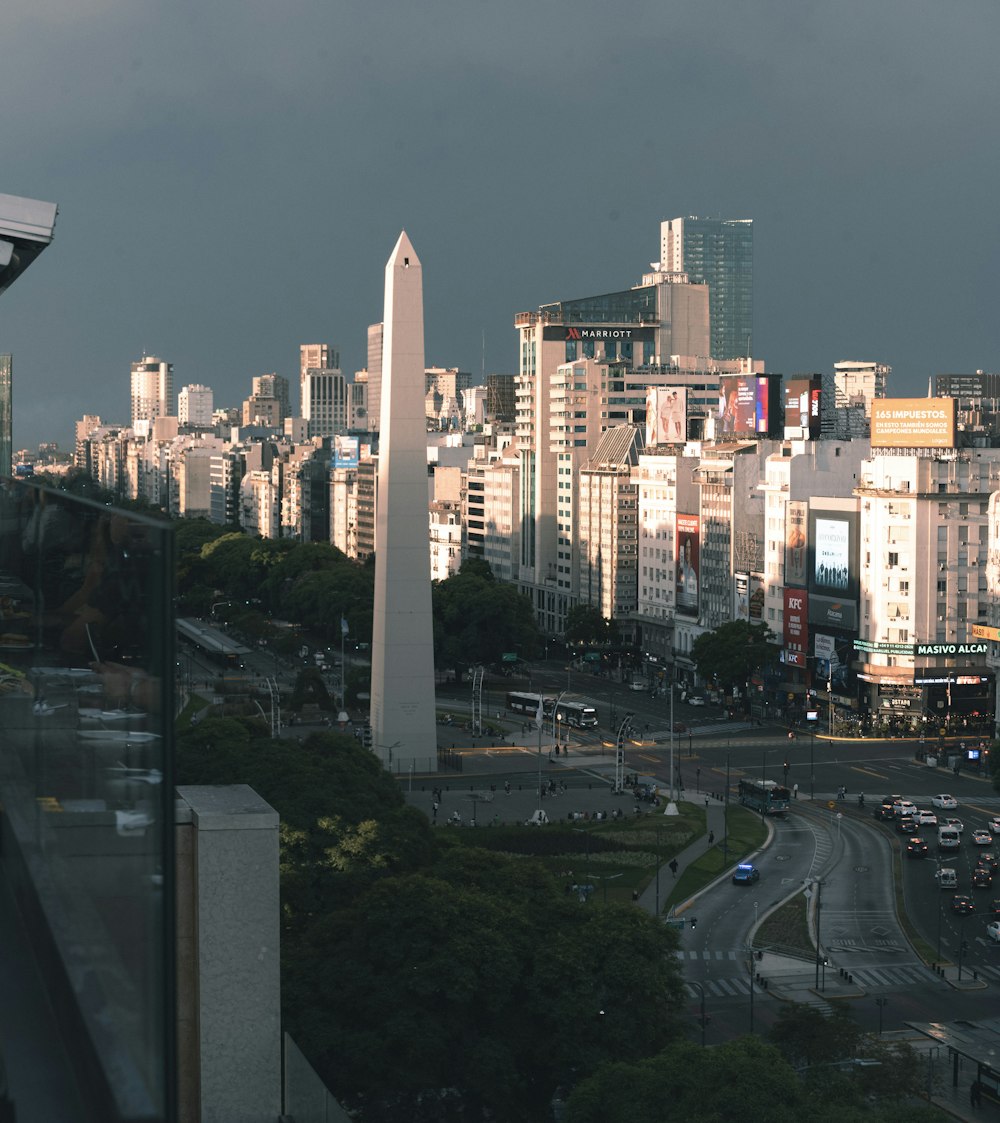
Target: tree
x=732 y=653
x=477 y=619
x=502 y=988
x=585 y=624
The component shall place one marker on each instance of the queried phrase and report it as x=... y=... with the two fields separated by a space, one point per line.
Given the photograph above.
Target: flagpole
x=540 y=722
x=343 y=665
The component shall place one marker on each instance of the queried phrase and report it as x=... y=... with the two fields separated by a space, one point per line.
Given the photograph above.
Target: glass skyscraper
x=717 y=253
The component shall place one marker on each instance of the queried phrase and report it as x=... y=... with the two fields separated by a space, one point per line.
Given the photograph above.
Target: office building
x=314 y=356
x=717 y=253
x=324 y=402
x=152 y=389
x=375 y=336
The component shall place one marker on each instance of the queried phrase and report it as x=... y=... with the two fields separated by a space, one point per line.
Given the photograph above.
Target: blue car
x=745 y=874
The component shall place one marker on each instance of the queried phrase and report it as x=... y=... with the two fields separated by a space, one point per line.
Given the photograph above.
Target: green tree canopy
x=585 y=624
x=477 y=619
x=733 y=652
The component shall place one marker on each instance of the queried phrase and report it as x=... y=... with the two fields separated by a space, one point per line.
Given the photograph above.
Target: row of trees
x=429 y=978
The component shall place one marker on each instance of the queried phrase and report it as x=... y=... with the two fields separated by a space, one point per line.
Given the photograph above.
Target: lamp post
x=725 y=816
x=881 y=1003
x=829 y=691
x=812 y=773
x=556 y=718
x=658 y=871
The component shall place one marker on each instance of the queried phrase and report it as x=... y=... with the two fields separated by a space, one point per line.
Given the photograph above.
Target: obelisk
x=404 y=730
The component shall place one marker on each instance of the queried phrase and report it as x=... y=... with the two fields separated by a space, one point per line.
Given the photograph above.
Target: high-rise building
x=6 y=430
x=375 y=333
x=717 y=253
x=195 y=405
x=324 y=401
x=152 y=389
x=26 y=227
x=314 y=356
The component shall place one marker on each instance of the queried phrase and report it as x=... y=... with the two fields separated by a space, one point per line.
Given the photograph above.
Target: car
x=994 y=908
x=955 y=824
x=993 y=931
x=963 y=904
x=905 y=826
x=883 y=812
x=945 y=802
x=637 y=685
x=904 y=808
x=927 y=818
x=891 y=800
x=988 y=859
x=994 y=826
x=982 y=838
x=982 y=877
x=695 y=700
x=916 y=848
x=745 y=874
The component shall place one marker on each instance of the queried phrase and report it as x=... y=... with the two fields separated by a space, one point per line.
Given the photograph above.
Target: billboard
x=666 y=415
x=796 y=627
x=796 y=540
x=913 y=422
x=834 y=583
x=748 y=405
x=688 y=556
x=802 y=409
x=345 y=452
x=756 y=597
x=741 y=605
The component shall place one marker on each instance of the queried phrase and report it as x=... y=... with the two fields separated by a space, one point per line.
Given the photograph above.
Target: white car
x=927 y=818
x=994 y=825
x=945 y=802
x=695 y=700
x=993 y=931
x=955 y=824
x=982 y=838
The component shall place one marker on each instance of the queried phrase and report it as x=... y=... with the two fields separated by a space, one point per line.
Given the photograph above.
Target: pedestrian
x=795 y=791
x=435 y=809
x=506 y=786
x=635 y=895
x=706 y=802
x=711 y=837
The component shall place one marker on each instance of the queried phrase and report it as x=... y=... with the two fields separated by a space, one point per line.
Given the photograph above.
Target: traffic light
x=366 y=736
x=693 y=922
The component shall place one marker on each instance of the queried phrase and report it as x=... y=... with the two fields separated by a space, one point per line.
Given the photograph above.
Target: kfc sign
x=796 y=627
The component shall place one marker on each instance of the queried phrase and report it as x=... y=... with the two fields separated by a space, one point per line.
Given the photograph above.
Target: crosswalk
x=869 y=978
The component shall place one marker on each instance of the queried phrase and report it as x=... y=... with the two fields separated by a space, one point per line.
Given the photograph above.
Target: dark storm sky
x=231 y=178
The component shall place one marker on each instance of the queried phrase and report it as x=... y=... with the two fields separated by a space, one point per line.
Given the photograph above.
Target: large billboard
x=913 y=422
x=749 y=406
x=346 y=451
x=741 y=607
x=834 y=582
x=756 y=597
x=796 y=627
x=802 y=409
x=796 y=540
x=666 y=415
x=688 y=554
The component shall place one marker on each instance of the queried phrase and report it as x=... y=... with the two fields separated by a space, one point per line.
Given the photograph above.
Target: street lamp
x=701 y=991
x=881 y=1003
x=829 y=691
x=556 y=718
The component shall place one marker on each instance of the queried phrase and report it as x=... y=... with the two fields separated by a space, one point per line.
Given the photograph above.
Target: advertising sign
x=596 y=332
x=345 y=452
x=756 y=597
x=741 y=609
x=796 y=540
x=738 y=404
x=688 y=559
x=796 y=627
x=823 y=646
x=913 y=422
x=832 y=554
x=802 y=409
x=666 y=415
x=832 y=612
x=982 y=631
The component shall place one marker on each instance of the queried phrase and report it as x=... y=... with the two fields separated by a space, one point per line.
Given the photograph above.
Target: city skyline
x=857 y=140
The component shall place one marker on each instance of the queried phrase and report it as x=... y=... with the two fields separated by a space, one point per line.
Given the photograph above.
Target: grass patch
x=786 y=930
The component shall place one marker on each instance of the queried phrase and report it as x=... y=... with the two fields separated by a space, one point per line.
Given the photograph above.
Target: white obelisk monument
x=404 y=730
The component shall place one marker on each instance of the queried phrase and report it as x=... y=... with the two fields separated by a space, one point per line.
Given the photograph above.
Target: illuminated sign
x=666 y=415
x=884 y=648
x=952 y=648
x=688 y=555
x=913 y=422
x=802 y=408
x=589 y=333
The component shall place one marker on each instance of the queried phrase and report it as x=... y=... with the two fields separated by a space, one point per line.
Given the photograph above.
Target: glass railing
x=86 y=785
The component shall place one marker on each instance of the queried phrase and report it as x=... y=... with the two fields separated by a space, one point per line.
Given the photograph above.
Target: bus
x=578 y=715
x=520 y=703
x=765 y=796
